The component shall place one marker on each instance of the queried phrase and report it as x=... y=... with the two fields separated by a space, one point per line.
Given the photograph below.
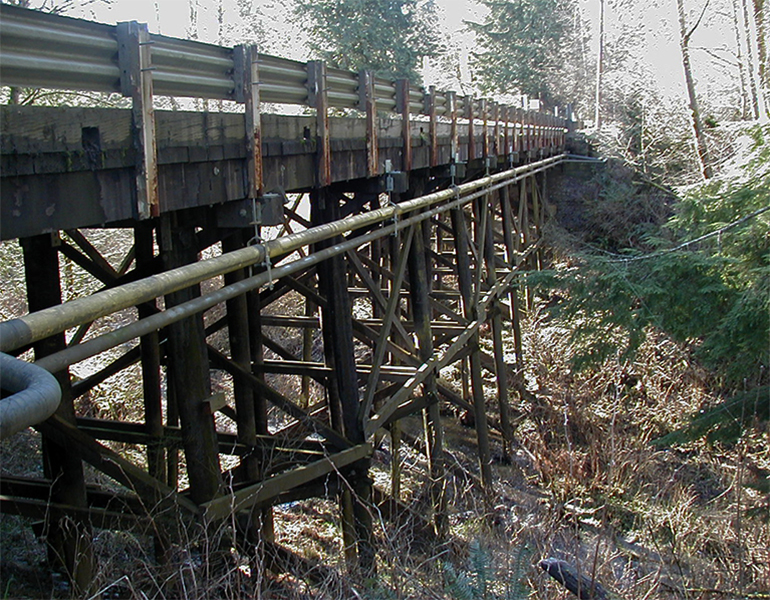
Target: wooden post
x=469 y=112
x=135 y=62
x=509 y=231
x=501 y=369
x=402 y=99
x=69 y=536
x=484 y=110
x=151 y=380
x=246 y=76
x=337 y=327
x=419 y=293
x=451 y=99
x=188 y=360
x=433 y=127
x=254 y=304
x=317 y=97
x=394 y=247
x=368 y=104
x=460 y=231
x=240 y=354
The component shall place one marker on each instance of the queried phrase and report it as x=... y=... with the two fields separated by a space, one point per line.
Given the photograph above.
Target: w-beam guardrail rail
x=392 y=220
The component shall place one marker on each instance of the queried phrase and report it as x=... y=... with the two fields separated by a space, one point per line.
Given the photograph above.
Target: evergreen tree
x=530 y=46
x=389 y=37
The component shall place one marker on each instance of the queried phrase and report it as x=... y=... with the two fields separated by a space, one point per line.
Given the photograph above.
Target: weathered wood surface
x=66 y=168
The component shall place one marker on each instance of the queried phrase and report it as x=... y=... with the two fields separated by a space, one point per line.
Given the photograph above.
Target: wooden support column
x=509 y=232
x=69 y=535
x=240 y=354
x=150 y=350
x=135 y=62
x=402 y=100
x=187 y=360
x=465 y=282
x=419 y=280
x=244 y=326
x=394 y=289
x=337 y=328
x=501 y=369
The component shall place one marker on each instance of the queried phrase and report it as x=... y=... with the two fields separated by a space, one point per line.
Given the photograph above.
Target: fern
x=479 y=581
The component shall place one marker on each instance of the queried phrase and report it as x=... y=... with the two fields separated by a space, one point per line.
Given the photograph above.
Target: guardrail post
x=317 y=97
x=496 y=118
x=484 y=111
x=430 y=100
x=368 y=105
x=402 y=100
x=469 y=114
x=246 y=76
x=69 y=536
x=135 y=61
x=451 y=101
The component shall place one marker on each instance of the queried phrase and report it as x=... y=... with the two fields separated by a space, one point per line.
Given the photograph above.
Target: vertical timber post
x=337 y=329
x=501 y=369
x=509 y=230
x=419 y=283
x=188 y=360
x=151 y=381
x=244 y=312
x=69 y=536
x=402 y=99
x=368 y=105
x=459 y=227
x=135 y=62
x=469 y=113
x=433 y=125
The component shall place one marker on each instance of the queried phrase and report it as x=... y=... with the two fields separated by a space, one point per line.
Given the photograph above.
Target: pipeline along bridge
x=390 y=220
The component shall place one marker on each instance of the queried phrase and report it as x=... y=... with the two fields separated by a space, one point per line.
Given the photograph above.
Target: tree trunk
x=697 y=122
x=760 y=15
x=599 y=68
x=757 y=43
x=746 y=98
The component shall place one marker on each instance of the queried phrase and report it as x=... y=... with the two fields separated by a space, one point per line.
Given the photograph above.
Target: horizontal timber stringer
x=349 y=261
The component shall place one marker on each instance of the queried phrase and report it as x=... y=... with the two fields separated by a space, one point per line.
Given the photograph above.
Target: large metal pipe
x=35 y=395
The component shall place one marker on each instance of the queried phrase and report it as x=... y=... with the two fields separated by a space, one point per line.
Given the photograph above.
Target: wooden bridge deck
x=398 y=221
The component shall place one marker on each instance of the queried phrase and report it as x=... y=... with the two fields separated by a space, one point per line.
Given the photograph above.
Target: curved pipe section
x=35 y=395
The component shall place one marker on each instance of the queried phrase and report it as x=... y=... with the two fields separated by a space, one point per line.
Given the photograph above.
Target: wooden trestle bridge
x=418 y=208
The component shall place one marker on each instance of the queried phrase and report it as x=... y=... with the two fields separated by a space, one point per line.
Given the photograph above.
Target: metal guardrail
x=52 y=51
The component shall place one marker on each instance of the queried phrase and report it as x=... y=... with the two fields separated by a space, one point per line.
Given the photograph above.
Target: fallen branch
x=583 y=587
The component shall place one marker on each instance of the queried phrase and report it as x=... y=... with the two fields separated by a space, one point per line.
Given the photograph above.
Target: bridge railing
x=52 y=51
